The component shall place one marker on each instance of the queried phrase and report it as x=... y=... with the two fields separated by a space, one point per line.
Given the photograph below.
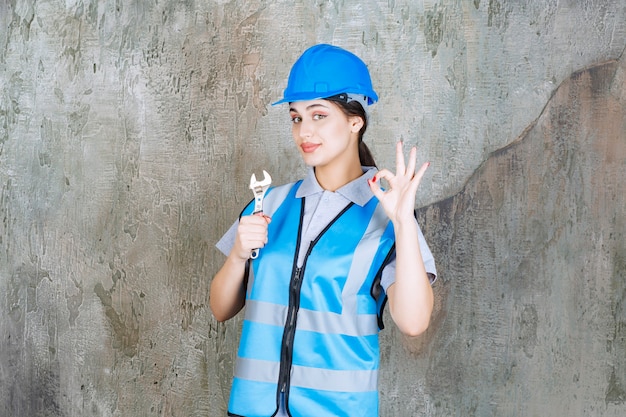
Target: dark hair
x=351 y=109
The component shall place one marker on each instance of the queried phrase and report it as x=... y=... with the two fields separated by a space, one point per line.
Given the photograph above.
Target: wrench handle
x=255 y=252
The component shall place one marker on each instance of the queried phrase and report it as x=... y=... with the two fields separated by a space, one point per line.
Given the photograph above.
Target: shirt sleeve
x=389 y=271
x=225 y=244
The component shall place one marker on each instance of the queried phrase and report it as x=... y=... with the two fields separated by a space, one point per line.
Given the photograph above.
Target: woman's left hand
x=399 y=200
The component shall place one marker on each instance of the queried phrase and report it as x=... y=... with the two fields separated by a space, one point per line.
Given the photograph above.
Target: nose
x=305 y=129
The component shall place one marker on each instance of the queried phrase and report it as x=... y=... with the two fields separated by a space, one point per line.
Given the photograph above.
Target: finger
x=247 y=240
x=375 y=187
x=419 y=174
x=384 y=173
x=400 y=167
x=247 y=232
x=410 y=169
x=267 y=218
x=417 y=179
x=253 y=228
x=258 y=219
x=251 y=240
x=413 y=185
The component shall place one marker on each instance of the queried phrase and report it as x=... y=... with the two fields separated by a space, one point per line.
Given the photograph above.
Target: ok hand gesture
x=399 y=200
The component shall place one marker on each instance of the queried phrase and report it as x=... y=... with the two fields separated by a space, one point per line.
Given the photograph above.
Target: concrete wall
x=129 y=129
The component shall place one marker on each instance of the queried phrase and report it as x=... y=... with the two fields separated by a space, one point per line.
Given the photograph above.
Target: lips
x=309 y=147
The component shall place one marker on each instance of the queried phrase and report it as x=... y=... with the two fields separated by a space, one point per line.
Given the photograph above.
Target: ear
x=356 y=123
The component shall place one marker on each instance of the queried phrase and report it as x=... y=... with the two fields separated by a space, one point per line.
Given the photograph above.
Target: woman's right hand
x=251 y=234
x=227 y=293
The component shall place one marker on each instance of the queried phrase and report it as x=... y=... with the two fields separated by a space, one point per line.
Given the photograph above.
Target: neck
x=334 y=178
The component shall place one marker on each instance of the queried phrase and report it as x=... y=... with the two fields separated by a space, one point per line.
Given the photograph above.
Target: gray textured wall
x=128 y=130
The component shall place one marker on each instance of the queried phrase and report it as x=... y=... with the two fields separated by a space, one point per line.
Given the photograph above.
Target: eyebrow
x=309 y=107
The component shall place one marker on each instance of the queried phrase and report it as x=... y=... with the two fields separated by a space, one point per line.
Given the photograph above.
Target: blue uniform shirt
x=322 y=206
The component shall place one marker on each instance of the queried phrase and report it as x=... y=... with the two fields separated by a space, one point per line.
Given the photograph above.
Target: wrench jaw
x=259 y=188
x=265 y=182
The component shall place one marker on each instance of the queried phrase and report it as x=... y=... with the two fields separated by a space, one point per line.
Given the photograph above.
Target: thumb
x=375 y=187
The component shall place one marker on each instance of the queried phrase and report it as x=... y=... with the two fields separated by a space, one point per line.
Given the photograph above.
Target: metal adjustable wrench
x=259 y=188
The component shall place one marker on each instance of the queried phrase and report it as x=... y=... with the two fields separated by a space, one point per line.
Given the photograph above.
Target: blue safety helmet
x=326 y=71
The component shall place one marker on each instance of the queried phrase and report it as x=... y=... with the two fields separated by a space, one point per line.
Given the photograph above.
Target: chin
x=309 y=160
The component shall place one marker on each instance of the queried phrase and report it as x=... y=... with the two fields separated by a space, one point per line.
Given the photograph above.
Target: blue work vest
x=311 y=332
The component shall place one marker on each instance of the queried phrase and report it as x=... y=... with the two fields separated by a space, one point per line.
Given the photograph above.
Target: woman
x=334 y=248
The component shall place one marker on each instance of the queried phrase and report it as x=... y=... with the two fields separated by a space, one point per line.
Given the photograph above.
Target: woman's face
x=323 y=133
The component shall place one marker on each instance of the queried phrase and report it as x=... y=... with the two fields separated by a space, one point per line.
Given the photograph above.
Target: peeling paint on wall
x=533 y=254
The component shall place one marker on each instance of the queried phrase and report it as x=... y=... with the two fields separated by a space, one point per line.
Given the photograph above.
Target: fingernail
x=374 y=178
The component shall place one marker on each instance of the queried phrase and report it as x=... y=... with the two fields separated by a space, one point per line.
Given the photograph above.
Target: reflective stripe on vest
x=327 y=355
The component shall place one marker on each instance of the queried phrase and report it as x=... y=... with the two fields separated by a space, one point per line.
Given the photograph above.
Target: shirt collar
x=357 y=191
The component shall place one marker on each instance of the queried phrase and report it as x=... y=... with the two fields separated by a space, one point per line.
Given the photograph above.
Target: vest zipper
x=289 y=333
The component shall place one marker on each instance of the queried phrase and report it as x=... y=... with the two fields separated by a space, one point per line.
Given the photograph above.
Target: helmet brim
x=372 y=97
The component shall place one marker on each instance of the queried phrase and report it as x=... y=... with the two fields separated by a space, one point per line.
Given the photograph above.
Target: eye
x=318 y=116
x=296 y=119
